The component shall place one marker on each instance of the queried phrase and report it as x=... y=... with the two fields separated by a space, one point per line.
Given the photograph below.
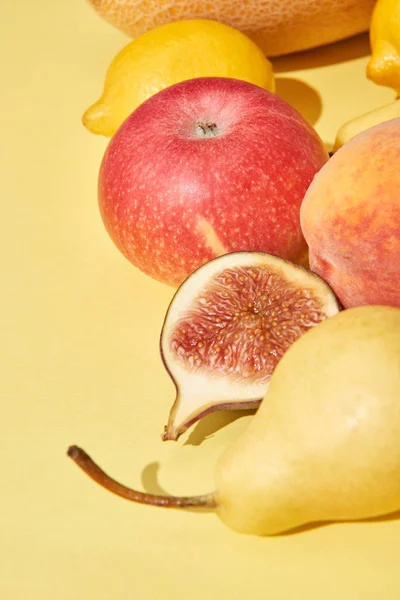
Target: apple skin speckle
x=172 y=200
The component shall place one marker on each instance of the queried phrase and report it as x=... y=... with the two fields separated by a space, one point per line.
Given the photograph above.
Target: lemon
x=169 y=54
x=384 y=65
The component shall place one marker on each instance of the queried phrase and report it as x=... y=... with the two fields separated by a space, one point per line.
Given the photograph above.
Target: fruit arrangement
x=286 y=261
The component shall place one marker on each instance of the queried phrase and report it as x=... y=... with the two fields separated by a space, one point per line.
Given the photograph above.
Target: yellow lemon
x=170 y=54
x=384 y=65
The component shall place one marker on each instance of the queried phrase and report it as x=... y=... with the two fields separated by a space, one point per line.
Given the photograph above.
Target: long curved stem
x=91 y=469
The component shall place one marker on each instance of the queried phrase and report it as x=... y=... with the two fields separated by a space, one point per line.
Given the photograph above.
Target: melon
x=277 y=26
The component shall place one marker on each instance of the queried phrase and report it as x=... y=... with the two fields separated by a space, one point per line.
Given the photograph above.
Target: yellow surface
x=80 y=360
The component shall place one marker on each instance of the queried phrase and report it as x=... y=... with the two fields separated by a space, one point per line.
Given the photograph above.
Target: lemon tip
x=96 y=119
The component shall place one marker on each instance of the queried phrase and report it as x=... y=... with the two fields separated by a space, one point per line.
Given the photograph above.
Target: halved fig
x=227 y=327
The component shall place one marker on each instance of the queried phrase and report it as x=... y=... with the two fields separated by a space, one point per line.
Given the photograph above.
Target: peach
x=350 y=217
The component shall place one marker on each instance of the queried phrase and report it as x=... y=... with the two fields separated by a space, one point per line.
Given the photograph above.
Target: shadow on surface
x=149 y=479
x=301 y=96
x=338 y=52
x=395 y=516
x=212 y=423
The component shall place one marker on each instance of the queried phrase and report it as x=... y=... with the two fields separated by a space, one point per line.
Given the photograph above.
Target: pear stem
x=91 y=469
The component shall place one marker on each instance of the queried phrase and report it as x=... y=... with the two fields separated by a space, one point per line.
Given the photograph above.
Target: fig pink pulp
x=203 y=168
x=243 y=322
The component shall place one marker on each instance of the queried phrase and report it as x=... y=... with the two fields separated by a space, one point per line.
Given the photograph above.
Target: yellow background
x=80 y=363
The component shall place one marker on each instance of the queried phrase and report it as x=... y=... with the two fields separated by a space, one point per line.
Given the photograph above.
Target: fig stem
x=87 y=464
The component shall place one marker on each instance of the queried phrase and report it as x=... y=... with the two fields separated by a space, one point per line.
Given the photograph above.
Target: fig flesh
x=227 y=327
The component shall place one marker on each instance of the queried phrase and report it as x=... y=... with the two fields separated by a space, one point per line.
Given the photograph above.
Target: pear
x=365 y=121
x=324 y=444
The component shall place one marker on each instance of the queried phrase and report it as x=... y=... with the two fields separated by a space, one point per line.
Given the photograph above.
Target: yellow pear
x=325 y=442
x=365 y=121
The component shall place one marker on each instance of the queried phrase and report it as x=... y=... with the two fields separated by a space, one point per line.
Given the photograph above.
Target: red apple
x=205 y=167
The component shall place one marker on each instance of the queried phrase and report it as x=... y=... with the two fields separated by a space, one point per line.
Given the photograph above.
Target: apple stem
x=91 y=469
x=206 y=129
